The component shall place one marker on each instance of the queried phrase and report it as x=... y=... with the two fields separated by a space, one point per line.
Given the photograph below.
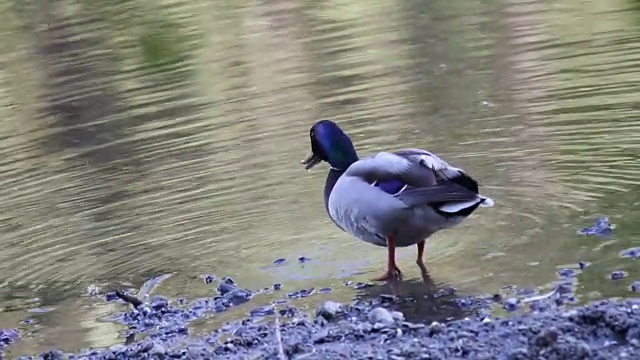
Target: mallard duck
x=391 y=199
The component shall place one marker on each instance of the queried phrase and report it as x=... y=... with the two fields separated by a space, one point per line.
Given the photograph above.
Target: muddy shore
x=540 y=327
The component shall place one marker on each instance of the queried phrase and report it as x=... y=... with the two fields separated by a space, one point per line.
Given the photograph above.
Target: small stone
x=381 y=315
x=387 y=297
x=53 y=355
x=379 y=326
x=583 y=350
x=517 y=354
x=111 y=296
x=224 y=288
x=547 y=337
x=565 y=273
x=329 y=309
x=364 y=327
x=633 y=253
x=93 y=290
x=228 y=280
x=262 y=311
x=397 y=316
x=511 y=304
x=118 y=348
x=617 y=275
x=361 y=285
x=436 y=328
x=320 y=337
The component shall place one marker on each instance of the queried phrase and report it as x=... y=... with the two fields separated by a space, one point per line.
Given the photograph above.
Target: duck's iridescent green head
x=329 y=143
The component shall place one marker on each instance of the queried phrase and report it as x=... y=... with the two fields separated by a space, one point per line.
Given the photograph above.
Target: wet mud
x=374 y=326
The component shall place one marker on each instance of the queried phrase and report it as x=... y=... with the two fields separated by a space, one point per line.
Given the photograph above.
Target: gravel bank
x=372 y=330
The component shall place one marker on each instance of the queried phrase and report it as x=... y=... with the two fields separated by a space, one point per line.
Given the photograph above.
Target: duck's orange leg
x=420 y=259
x=393 y=273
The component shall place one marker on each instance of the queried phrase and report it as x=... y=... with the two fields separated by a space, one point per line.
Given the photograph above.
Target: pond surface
x=158 y=137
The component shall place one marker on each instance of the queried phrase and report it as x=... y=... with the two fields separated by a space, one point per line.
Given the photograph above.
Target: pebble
x=364 y=327
x=633 y=253
x=617 y=275
x=436 y=328
x=157 y=350
x=208 y=278
x=8 y=337
x=565 y=273
x=511 y=304
x=397 y=316
x=118 y=348
x=111 y=296
x=381 y=316
x=329 y=309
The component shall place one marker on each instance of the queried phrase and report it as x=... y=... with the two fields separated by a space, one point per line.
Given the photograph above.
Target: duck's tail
x=466 y=207
x=486 y=201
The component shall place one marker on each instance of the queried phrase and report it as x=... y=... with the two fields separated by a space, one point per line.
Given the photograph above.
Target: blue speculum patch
x=390 y=187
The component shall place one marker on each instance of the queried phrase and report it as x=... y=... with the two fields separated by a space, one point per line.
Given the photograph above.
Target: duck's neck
x=332 y=178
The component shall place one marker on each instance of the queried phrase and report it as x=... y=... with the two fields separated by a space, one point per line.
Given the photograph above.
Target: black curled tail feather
x=468 y=183
x=437 y=194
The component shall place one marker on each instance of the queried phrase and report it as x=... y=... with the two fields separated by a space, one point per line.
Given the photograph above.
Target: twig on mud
x=541 y=297
x=128 y=298
x=281 y=354
x=135 y=302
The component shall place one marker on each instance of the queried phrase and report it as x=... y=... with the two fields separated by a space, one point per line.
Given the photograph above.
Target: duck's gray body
x=436 y=196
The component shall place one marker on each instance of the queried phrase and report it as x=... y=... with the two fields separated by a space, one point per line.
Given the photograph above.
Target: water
x=165 y=137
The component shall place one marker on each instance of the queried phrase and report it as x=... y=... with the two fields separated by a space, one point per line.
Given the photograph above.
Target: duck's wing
x=430 y=160
x=420 y=186
x=446 y=173
x=386 y=166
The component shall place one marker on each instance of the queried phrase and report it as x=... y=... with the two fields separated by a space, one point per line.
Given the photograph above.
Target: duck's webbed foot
x=394 y=274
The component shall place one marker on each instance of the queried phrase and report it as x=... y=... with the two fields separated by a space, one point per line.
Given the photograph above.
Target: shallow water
x=165 y=137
